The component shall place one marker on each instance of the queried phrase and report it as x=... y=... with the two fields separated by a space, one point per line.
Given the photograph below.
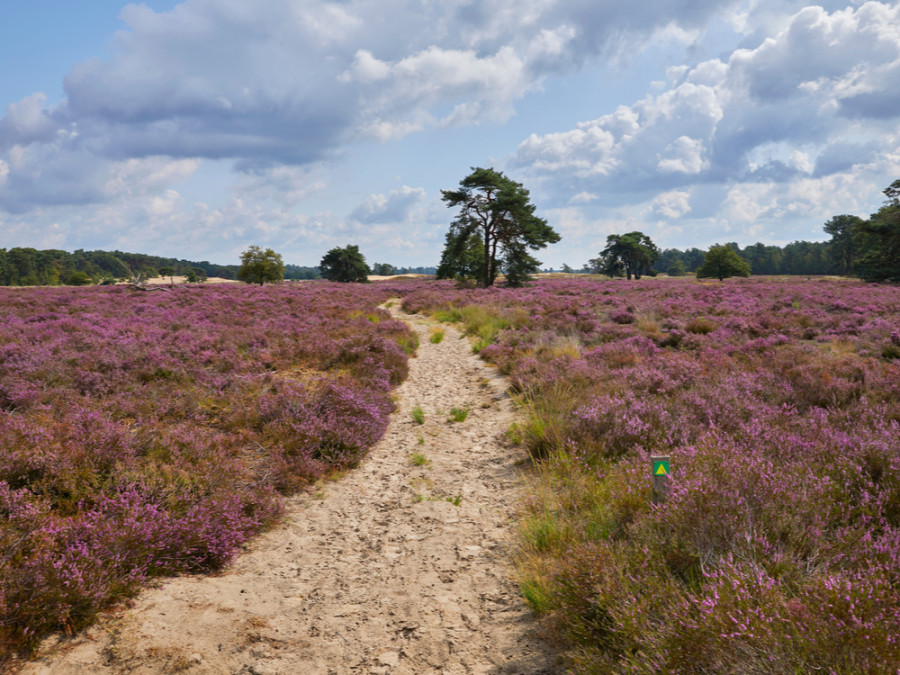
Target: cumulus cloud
x=392 y=208
x=27 y=121
x=673 y=204
x=277 y=82
x=276 y=89
x=683 y=155
x=786 y=109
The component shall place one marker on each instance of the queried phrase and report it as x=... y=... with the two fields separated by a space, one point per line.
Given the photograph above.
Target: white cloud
x=583 y=198
x=147 y=175
x=802 y=116
x=586 y=151
x=366 y=69
x=786 y=109
x=684 y=155
x=27 y=121
x=393 y=208
x=275 y=81
x=673 y=204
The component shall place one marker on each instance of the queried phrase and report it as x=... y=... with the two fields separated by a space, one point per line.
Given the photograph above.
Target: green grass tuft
x=458 y=414
x=418 y=459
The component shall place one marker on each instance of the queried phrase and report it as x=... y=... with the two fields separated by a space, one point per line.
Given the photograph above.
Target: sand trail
x=397 y=567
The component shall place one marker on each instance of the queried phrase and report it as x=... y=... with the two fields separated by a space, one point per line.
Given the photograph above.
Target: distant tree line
x=32 y=267
x=868 y=249
x=634 y=252
x=800 y=257
x=387 y=270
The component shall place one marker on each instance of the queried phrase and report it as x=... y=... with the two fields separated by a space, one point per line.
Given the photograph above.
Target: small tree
x=498 y=212
x=676 y=269
x=78 y=278
x=259 y=266
x=384 y=269
x=631 y=254
x=722 y=262
x=196 y=275
x=168 y=271
x=344 y=264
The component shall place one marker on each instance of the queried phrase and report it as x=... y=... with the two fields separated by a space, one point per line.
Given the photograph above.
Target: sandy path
x=380 y=574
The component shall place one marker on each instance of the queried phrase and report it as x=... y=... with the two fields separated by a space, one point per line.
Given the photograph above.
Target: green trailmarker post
x=661 y=473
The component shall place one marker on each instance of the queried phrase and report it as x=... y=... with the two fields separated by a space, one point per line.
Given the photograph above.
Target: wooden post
x=661 y=473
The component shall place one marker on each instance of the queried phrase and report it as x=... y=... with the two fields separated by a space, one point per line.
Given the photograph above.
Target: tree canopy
x=344 y=264
x=631 y=255
x=259 y=266
x=494 y=230
x=843 y=247
x=722 y=262
x=676 y=269
x=384 y=269
x=878 y=241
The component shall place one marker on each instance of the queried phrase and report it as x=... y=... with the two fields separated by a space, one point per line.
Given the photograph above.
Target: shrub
x=700 y=326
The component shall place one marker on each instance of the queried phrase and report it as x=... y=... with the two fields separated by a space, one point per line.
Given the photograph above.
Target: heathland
x=152 y=434
x=778 y=402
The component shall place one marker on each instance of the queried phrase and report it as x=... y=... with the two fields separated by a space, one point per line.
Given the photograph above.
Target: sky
x=196 y=129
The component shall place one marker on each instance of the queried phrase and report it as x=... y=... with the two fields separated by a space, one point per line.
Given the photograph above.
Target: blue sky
x=196 y=129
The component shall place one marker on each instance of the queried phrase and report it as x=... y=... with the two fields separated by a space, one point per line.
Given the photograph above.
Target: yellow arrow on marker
x=661 y=471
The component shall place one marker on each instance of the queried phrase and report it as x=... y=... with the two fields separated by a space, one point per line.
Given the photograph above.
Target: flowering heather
x=147 y=434
x=778 y=547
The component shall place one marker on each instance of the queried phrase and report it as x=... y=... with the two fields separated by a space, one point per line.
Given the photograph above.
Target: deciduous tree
x=676 y=269
x=384 y=269
x=631 y=254
x=259 y=266
x=722 y=262
x=168 y=271
x=344 y=264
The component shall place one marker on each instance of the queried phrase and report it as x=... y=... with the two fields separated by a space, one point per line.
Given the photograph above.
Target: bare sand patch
x=156 y=281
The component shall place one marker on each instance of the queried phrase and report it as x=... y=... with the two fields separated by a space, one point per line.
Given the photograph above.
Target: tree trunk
x=488 y=272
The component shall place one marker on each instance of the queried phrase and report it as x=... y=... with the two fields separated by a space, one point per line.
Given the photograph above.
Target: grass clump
x=458 y=414
x=419 y=459
x=436 y=335
x=418 y=498
x=700 y=326
x=418 y=415
x=448 y=315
